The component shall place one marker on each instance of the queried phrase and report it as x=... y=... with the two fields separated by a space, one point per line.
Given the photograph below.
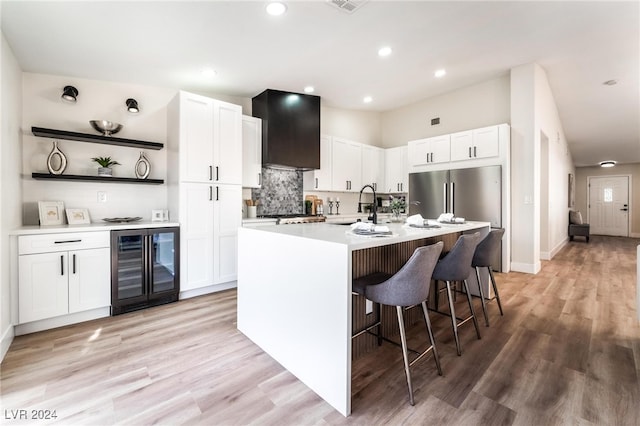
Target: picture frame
x=572 y=191
x=78 y=217
x=51 y=213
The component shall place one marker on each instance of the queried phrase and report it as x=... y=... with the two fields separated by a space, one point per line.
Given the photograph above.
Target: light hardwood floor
x=567 y=351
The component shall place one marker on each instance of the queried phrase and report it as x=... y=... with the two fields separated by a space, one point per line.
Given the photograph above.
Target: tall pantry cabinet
x=205 y=189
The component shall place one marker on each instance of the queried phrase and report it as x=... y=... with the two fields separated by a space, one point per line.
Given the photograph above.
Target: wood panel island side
x=294 y=293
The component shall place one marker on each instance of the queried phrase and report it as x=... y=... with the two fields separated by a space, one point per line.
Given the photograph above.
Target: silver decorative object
x=143 y=168
x=62 y=159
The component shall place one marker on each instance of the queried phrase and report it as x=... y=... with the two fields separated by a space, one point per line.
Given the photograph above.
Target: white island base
x=294 y=297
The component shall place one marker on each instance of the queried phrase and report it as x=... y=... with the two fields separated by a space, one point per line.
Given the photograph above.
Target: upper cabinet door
x=486 y=142
x=462 y=146
x=227 y=156
x=346 y=164
x=373 y=167
x=196 y=138
x=251 y=152
x=440 y=149
x=396 y=166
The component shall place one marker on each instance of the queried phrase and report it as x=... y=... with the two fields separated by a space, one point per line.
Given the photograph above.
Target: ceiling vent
x=348 y=6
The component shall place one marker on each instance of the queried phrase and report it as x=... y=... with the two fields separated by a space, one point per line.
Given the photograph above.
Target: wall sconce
x=69 y=94
x=132 y=106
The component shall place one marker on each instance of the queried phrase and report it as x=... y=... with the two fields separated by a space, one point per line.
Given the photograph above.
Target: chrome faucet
x=375 y=215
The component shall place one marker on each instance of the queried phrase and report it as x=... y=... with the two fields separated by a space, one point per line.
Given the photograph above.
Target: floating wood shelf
x=47 y=176
x=86 y=137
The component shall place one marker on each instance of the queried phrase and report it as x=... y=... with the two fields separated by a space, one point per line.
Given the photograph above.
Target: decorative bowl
x=107 y=128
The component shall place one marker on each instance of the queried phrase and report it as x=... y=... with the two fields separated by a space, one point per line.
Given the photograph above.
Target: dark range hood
x=290 y=129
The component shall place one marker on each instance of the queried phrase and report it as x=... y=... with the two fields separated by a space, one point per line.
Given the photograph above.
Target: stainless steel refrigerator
x=474 y=194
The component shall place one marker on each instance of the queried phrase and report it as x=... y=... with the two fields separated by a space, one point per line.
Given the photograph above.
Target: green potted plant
x=105 y=165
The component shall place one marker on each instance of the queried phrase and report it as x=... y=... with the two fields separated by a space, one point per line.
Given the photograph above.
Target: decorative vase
x=62 y=159
x=104 y=171
x=143 y=168
x=395 y=215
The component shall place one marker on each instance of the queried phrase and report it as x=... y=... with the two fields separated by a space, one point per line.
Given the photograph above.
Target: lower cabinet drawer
x=44 y=243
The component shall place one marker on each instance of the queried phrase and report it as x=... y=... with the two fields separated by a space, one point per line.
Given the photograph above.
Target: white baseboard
x=61 y=321
x=527 y=268
x=206 y=290
x=5 y=342
x=635 y=235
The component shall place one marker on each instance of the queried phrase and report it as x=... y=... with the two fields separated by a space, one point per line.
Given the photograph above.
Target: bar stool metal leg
x=495 y=290
x=432 y=341
x=454 y=321
x=484 y=307
x=473 y=311
x=405 y=355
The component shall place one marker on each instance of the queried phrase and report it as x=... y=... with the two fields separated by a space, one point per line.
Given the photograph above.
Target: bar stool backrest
x=487 y=248
x=456 y=264
x=410 y=285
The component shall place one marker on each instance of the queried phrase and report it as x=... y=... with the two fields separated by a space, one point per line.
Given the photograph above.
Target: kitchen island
x=294 y=293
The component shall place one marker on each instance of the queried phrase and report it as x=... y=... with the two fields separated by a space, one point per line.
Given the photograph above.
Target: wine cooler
x=145 y=268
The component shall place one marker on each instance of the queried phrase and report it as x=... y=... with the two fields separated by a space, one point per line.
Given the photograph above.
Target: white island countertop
x=339 y=234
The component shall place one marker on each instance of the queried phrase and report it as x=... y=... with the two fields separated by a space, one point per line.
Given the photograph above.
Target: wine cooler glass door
x=130 y=266
x=163 y=262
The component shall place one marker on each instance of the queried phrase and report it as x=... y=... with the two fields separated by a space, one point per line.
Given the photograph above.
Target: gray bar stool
x=485 y=252
x=456 y=266
x=407 y=287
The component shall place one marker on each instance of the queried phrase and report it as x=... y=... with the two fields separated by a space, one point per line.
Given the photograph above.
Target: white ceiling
x=167 y=44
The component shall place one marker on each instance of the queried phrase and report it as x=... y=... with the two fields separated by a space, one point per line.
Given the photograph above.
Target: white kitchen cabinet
x=210 y=135
x=320 y=180
x=429 y=151
x=196 y=235
x=251 y=152
x=209 y=210
x=346 y=165
x=227 y=143
x=60 y=274
x=473 y=144
x=227 y=213
x=396 y=169
x=373 y=167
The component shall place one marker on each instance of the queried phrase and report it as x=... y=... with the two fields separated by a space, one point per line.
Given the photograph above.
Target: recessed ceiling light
x=309 y=89
x=209 y=72
x=608 y=163
x=384 y=51
x=440 y=73
x=276 y=8
x=610 y=82
x=367 y=99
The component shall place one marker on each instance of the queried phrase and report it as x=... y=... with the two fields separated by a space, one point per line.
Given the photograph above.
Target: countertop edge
x=92 y=227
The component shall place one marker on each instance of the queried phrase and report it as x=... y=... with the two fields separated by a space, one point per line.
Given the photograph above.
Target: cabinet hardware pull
x=316 y=183
x=475 y=154
x=61 y=264
x=210 y=193
x=74 y=263
x=432 y=157
x=217 y=193
x=67 y=241
x=210 y=172
x=469 y=152
x=217 y=174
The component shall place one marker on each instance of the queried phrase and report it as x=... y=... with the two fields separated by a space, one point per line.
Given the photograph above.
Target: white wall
x=359 y=126
x=479 y=105
x=533 y=112
x=10 y=194
x=96 y=100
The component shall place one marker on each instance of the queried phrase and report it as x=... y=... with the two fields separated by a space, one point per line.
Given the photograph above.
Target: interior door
x=609 y=205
